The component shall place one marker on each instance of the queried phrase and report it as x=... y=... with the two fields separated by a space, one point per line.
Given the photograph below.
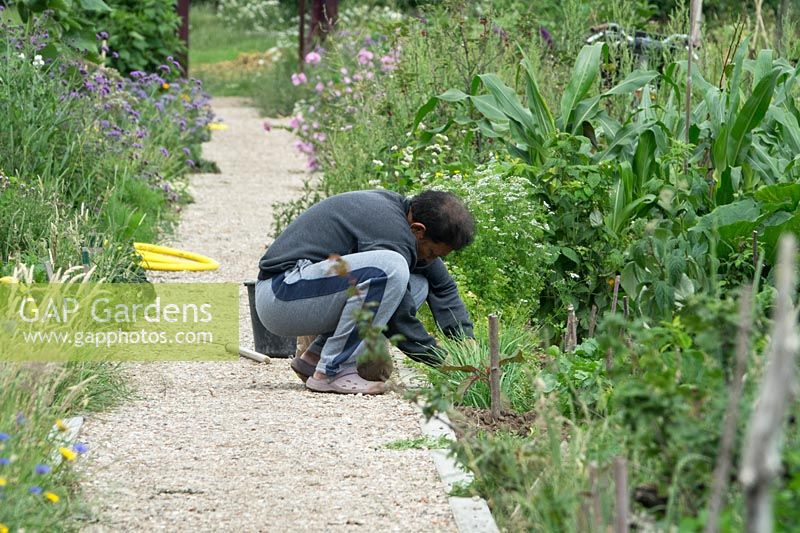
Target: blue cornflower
x=80 y=447
x=35 y=490
x=4 y=436
x=4 y=461
x=42 y=469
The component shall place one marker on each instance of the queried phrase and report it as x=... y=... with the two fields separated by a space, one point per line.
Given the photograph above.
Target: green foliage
x=465 y=372
x=72 y=23
x=143 y=33
x=501 y=269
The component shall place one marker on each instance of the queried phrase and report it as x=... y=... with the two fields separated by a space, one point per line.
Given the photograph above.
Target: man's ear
x=418 y=229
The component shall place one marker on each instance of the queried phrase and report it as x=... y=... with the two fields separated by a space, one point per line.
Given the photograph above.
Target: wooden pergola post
x=183 y=33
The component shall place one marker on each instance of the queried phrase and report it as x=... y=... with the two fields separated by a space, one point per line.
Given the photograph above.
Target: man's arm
x=417 y=344
x=446 y=305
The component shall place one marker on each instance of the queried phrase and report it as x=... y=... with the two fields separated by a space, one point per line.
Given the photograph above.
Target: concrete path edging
x=472 y=515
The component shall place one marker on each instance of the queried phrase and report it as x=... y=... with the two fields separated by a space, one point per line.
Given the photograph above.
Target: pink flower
x=319 y=87
x=364 y=56
x=348 y=90
x=370 y=75
x=313 y=58
x=357 y=77
x=344 y=71
x=299 y=79
x=312 y=164
x=305 y=147
x=267 y=126
x=320 y=137
x=347 y=80
x=388 y=63
x=295 y=122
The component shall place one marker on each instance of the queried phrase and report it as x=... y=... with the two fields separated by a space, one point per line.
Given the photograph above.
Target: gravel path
x=240 y=446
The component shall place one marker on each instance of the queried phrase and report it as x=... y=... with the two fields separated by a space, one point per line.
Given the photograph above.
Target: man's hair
x=447 y=220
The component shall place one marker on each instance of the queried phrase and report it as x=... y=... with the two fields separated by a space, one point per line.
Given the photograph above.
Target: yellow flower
x=185 y=98
x=165 y=86
x=60 y=425
x=217 y=126
x=3 y=528
x=9 y=279
x=52 y=497
x=3 y=482
x=68 y=454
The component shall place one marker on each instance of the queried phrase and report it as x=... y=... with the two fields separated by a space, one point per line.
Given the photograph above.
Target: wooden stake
x=592 y=320
x=722 y=468
x=609 y=353
x=494 y=365
x=85 y=259
x=572 y=329
x=755 y=249
x=761 y=457
x=621 y=488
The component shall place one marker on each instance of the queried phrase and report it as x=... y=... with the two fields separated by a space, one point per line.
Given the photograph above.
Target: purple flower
x=545 y=35
x=186 y=151
x=299 y=79
x=313 y=164
x=136 y=74
x=190 y=163
x=5 y=461
x=364 y=56
x=4 y=436
x=267 y=126
x=319 y=137
x=319 y=87
x=102 y=35
x=164 y=152
x=35 y=490
x=80 y=447
x=313 y=58
x=115 y=55
x=164 y=68
x=42 y=469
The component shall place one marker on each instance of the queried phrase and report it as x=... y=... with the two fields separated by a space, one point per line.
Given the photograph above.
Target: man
x=391 y=246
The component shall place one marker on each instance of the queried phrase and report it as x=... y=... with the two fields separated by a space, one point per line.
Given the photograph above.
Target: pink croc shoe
x=346 y=382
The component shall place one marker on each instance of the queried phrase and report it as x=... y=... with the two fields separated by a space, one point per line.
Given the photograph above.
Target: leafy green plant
x=465 y=372
x=142 y=34
x=73 y=23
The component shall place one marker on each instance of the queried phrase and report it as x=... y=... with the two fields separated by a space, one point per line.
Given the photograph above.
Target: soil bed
x=468 y=420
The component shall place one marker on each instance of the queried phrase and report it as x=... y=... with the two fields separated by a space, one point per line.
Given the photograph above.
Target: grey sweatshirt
x=361 y=221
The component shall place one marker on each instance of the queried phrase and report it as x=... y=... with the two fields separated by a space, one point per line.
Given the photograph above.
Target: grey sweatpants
x=312 y=299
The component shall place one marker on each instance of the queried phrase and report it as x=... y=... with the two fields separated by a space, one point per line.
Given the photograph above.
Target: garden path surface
x=241 y=446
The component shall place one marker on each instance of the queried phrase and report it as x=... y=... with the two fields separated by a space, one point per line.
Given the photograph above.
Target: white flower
x=377 y=163
x=21 y=55
x=38 y=61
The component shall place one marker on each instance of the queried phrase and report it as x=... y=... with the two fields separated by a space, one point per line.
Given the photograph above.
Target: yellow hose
x=155 y=257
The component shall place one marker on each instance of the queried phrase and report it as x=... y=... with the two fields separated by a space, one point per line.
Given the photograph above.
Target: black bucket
x=265 y=341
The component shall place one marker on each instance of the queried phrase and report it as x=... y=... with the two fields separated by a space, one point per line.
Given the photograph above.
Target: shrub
x=142 y=34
